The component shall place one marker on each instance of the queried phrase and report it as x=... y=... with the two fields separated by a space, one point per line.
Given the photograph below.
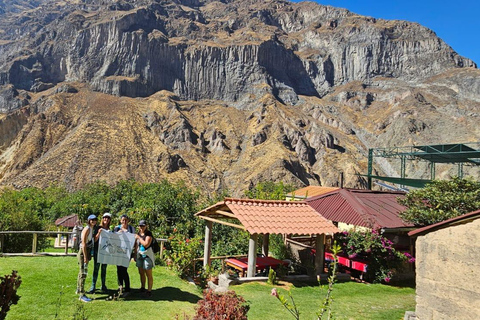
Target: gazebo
x=69 y=222
x=266 y=217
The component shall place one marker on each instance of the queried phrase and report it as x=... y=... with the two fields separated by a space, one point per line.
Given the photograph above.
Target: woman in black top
x=145 y=256
x=122 y=272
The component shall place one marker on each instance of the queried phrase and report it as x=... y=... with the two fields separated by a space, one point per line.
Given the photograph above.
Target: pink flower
x=387 y=279
x=274 y=292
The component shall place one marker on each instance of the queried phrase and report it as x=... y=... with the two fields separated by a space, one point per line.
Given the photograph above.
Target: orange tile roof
x=311 y=191
x=269 y=216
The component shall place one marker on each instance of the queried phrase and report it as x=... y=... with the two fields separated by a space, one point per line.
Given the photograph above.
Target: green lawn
x=48 y=292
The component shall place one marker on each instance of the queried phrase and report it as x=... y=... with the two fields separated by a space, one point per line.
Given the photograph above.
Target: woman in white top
x=84 y=255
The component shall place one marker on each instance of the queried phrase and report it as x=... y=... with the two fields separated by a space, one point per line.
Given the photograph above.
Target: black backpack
x=155 y=246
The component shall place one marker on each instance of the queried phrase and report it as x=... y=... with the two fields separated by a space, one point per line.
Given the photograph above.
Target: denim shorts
x=144 y=263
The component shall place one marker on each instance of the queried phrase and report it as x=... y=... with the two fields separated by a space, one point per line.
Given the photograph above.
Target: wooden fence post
x=161 y=248
x=34 y=244
x=66 y=245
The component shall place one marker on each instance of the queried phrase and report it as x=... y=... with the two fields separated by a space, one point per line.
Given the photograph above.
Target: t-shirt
x=148 y=233
x=119 y=227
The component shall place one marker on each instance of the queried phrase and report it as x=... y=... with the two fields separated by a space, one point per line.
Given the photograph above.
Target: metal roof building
x=365 y=208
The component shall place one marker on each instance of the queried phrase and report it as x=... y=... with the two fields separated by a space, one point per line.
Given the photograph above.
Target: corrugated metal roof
x=443 y=224
x=366 y=208
x=268 y=216
x=311 y=191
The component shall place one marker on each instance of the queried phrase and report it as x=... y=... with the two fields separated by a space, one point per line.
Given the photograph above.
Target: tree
x=441 y=200
x=269 y=190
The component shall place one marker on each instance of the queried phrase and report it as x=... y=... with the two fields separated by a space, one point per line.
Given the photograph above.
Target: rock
x=220 y=94
x=138 y=48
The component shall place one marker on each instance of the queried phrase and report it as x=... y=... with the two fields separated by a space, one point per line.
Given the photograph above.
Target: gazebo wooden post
x=252 y=255
x=265 y=244
x=320 y=253
x=208 y=244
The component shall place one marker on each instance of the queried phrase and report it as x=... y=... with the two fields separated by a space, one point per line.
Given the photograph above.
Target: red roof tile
x=277 y=217
x=366 y=208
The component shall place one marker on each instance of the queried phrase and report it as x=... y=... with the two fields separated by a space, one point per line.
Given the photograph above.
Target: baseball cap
x=142 y=223
x=107 y=215
x=92 y=217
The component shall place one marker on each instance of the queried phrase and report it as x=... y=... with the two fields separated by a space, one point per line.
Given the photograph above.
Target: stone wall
x=448 y=273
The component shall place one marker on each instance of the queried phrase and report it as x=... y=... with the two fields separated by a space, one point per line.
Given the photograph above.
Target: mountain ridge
x=221 y=94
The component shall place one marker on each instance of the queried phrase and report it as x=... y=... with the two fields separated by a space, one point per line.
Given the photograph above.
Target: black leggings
x=123 y=278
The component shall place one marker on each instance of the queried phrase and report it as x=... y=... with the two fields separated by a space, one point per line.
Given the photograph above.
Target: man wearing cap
x=104 y=227
x=84 y=255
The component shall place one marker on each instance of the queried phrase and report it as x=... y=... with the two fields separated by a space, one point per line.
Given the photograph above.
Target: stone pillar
x=252 y=255
x=265 y=244
x=208 y=244
x=320 y=253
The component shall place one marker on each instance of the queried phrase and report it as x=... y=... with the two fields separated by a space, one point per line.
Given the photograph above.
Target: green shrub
x=272 y=277
x=21 y=211
x=182 y=252
x=441 y=200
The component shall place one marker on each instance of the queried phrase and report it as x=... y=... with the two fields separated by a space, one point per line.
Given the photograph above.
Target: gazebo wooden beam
x=227 y=214
x=223 y=222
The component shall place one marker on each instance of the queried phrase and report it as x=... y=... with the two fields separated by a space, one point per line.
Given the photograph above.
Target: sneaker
x=91 y=291
x=148 y=293
x=104 y=289
x=85 y=299
x=142 y=290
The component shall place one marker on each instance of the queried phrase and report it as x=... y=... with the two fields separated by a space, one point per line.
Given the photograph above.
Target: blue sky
x=456 y=22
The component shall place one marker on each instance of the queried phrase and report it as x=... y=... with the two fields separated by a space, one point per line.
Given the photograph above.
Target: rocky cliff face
x=219 y=93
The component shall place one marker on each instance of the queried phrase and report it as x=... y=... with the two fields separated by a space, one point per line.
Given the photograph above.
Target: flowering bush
x=8 y=292
x=221 y=306
x=382 y=258
x=182 y=253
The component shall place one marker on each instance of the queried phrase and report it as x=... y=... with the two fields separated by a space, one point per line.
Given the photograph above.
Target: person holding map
x=85 y=255
x=145 y=257
x=122 y=272
x=104 y=227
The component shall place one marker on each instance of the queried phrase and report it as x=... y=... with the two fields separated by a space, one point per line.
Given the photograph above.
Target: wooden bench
x=262 y=264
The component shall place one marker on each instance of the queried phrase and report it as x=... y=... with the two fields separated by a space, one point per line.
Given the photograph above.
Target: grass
x=48 y=292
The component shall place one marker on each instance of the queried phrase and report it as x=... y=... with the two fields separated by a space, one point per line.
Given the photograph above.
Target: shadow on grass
x=407 y=283
x=162 y=294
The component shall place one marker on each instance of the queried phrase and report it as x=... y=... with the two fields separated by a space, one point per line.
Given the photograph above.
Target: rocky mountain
x=221 y=94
